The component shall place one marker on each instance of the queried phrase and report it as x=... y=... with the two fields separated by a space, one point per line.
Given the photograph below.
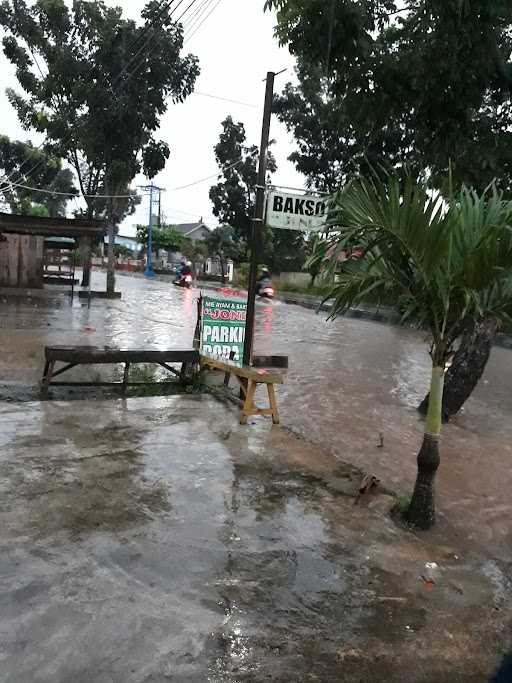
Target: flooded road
x=349 y=381
x=152 y=540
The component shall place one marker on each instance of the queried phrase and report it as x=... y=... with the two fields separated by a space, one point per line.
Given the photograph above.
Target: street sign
x=223 y=327
x=287 y=211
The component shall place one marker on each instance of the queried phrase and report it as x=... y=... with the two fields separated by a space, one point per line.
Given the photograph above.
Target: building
x=197 y=232
x=124 y=241
x=25 y=250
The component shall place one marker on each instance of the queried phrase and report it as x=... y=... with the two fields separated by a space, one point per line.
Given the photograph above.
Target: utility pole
x=149 y=272
x=259 y=217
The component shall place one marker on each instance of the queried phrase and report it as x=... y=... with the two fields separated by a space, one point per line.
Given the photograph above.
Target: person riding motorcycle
x=186 y=270
x=263 y=279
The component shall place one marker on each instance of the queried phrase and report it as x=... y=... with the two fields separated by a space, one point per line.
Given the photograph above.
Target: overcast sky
x=236 y=48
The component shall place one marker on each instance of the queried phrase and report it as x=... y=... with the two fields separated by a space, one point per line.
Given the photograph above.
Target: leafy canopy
x=97 y=88
x=48 y=173
x=234 y=196
x=442 y=264
x=422 y=83
x=166 y=237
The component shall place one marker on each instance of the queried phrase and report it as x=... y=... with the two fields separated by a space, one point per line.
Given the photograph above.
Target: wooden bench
x=93 y=355
x=249 y=378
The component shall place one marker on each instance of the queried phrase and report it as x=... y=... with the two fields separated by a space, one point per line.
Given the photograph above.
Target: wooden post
x=249 y=402
x=228 y=374
x=126 y=377
x=48 y=374
x=273 y=403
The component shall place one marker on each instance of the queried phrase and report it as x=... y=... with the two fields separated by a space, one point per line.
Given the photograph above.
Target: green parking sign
x=223 y=327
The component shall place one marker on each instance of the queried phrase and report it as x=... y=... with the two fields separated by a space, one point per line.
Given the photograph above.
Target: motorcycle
x=184 y=281
x=265 y=289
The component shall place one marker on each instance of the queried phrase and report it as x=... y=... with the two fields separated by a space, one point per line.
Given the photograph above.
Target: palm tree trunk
x=111 y=263
x=467 y=367
x=422 y=513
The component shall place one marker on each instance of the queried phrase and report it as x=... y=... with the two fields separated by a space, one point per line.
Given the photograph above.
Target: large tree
x=97 y=84
x=15 y=156
x=223 y=243
x=443 y=266
x=234 y=196
x=427 y=82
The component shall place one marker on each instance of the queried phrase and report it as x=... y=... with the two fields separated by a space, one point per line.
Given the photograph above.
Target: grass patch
x=400 y=507
x=320 y=291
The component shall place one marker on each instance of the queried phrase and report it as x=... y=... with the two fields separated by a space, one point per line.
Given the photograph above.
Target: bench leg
x=273 y=403
x=126 y=377
x=249 y=403
x=47 y=378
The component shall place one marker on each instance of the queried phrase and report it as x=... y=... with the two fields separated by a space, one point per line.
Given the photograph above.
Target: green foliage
x=317 y=248
x=443 y=263
x=284 y=250
x=424 y=84
x=16 y=158
x=166 y=237
x=122 y=251
x=234 y=196
x=195 y=251
x=243 y=274
x=224 y=243
x=99 y=98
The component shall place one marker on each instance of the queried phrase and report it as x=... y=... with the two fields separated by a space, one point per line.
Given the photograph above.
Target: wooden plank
x=52 y=227
x=13 y=257
x=4 y=260
x=92 y=355
x=246 y=372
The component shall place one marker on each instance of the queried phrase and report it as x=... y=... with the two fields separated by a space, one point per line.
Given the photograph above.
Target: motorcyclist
x=179 y=268
x=186 y=270
x=263 y=279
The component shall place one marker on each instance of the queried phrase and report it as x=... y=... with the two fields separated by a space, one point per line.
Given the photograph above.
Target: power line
x=203 y=21
x=164 y=6
x=199 y=13
x=215 y=175
x=225 y=99
x=191 y=19
x=70 y=194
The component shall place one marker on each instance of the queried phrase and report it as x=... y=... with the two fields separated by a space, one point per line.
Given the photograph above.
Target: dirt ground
x=154 y=539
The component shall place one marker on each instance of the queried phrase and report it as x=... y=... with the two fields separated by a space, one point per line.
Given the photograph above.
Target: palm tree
x=442 y=263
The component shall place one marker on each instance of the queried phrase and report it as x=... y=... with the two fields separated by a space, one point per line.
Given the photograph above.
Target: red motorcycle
x=184 y=281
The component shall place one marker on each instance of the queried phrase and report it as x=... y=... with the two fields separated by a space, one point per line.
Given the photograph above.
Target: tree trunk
x=111 y=264
x=422 y=512
x=222 y=270
x=467 y=367
x=86 y=253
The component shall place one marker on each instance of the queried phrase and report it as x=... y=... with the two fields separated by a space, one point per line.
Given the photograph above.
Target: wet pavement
x=128 y=555
x=156 y=540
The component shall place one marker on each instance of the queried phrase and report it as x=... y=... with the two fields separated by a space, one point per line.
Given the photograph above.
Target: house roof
x=189 y=228
x=50 y=227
